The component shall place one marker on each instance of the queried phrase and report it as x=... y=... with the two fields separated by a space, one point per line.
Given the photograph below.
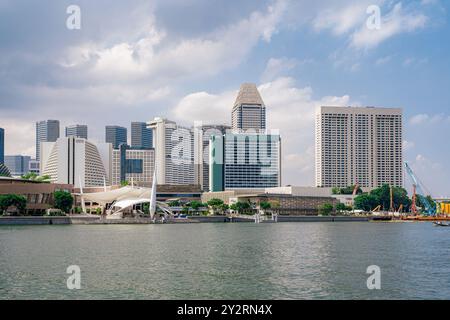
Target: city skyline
x=329 y=62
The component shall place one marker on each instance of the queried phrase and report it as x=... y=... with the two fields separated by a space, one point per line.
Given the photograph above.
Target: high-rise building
x=174 y=152
x=2 y=145
x=359 y=145
x=76 y=161
x=77 y=131
x=46 y=131
x=133 y=165
x=249 y=111
x=141 y=136
x=202 y=136
x=245 y=161
x=18 y=165
x=115 y=135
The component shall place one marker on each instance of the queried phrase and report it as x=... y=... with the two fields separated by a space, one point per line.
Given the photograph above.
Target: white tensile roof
x=125 y=193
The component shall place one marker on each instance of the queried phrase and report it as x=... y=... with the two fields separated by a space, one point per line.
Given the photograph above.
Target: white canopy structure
x=126 y=197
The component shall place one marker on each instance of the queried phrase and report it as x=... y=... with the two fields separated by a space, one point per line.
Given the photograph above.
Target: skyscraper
x=249 y=111
x=141 y=136
x=116 y=135
x=133 y=165
x=46 y=131
x=77 y=131
x=359 y=145
x=245 y=161
x=174 y=152
x=18 y=165
x=77 y=161
x=2 y=145
x=202 y=136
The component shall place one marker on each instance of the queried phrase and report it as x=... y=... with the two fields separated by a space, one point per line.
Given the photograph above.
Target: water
x=226 y=261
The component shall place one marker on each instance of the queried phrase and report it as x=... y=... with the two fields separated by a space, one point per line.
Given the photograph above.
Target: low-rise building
x=39 y=195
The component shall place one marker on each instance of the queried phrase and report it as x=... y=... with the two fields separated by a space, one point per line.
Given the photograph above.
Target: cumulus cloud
x=397 y=21
x=208 y=54
x=423 y=118
x=349 y=19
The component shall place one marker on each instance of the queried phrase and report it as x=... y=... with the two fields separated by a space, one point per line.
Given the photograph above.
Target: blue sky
x=134 y=60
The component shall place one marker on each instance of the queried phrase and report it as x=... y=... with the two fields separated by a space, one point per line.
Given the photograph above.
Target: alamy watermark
x=373 y=22
x=374 y=280
x=74 y=280
x=73 y=21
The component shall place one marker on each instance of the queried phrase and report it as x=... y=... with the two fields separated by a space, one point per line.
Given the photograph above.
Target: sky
x=184 y=60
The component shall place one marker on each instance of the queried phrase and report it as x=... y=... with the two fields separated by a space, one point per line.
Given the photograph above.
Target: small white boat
x=441 y=224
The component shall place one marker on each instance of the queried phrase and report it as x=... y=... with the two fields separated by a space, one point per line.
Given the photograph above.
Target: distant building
x=46 y=131
x=4 y=171
x=115 y=135
x=77 y=131
x=73 y=160
x=133 y=165
x=245 y=161
x=202 y=136
x=359 y=145
x=284 y=202
x=174 y=152
x=2 y=145
x=34 y=166
x=249 y=111
x=18 y=165
x=141 y=136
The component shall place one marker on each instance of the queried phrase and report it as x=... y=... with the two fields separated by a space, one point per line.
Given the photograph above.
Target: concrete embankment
x=48 y=220
x=197 y=219
x=321 y=219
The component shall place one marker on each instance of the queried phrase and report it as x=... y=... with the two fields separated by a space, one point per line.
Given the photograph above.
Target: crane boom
x=429 y=210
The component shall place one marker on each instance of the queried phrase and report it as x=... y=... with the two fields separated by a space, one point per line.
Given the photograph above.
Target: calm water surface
x=226 y=261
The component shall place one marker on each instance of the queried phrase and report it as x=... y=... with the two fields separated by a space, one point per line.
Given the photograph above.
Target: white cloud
x=341 y=20
x=19 y=137
x=395 y=22
x=290 y=109
x=408 y=145
x=383 y=60
x=423 y=118
x=151 y=56
x=278 y=67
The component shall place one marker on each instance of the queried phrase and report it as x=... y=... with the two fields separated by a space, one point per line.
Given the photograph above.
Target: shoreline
x=96 y=220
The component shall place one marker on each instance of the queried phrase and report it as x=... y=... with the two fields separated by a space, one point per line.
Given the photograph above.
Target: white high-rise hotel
x=359 y=145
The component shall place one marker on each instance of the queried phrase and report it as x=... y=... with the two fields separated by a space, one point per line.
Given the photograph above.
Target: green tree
x=196 y=205
x=174 y=203
x=366 y=202
x=215 y=205
x=34 y=177
x=241 y=207
x=326 y=209
x=336 y=190
x=265 y=205
x=13 y=200
x=421 y=203
x=224 y=207
x=383 y=197
x=63 y=200
x=341 y=207
x=124 y=183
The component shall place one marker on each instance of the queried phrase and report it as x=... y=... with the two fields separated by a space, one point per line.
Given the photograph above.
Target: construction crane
x=429 y=209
